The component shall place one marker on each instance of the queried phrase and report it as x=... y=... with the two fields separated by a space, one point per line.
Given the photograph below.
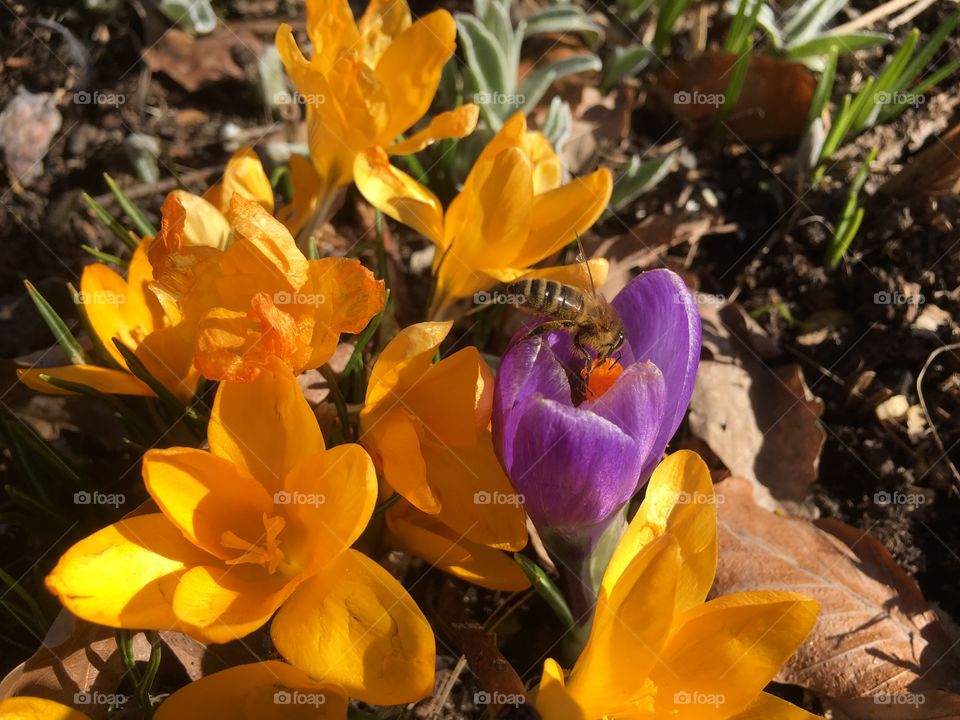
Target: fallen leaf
x=762 y=422
x=27 y=125
x=773 y=103
x=193 y=63
x=934 y=171
x=876 y=635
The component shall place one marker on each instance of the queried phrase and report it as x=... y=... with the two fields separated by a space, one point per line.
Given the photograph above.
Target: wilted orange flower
x=262 y=521
x=367 y=83
x=656 y=649
x=427 y=426
x=512 y=213
x=260 y=297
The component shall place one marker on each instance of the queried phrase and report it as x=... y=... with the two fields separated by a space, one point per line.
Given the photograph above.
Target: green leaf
x=120 y=232
x=558 y=122
x=535 y=85
x=356 y=357
x=58 y=327
x=737 y=77
x=623 y=62
x=547 y=589
x=809 y=18
x=821 y=95
x=488 y=66
x=893 y=110
x=565 y=19
x=926 y=53
x=105 y=257
x=637 y=178
x=670 y=12
x=744 y=21
x=852 y=217
x=139 y=220
x=823 y=44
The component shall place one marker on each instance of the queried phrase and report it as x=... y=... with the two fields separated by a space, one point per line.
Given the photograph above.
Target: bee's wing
x=582 y=256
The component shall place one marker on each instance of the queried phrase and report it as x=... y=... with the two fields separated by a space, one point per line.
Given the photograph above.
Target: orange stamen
x=267 y=554
x=600 y=376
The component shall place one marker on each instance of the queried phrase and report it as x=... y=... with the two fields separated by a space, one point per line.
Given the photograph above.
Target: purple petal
x=634 y=404
x=663 y=326
x=573 y=467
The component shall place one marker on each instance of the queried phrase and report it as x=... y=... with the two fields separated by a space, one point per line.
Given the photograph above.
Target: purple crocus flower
x=577 y=463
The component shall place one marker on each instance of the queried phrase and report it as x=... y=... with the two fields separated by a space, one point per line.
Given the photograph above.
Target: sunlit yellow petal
x=456 y=123
x=398 y=195
x=266 y=427
x=392 y=439
x=355 y=626
x=206 y=496
x=405 y=358
x=126 y=574
x=381 y=23
x=770 y=707
x=409 y=70
x=270 y=690
x=308 y=188
x=103 y=293
x=327 y=500
x=679 y=500
x=547 y=167
x=112 y=382
x=331 y=29
x=561 y=214
x=244 y=176
x=729 y=649
x=31 y=708
x=554 y=702
x=426 y=537
x=204 y=224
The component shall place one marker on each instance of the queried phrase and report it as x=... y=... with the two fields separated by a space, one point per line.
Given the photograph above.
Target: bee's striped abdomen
x=547 y=297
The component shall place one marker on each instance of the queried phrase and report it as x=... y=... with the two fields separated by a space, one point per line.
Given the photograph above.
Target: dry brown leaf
x=773 y=104
x=193 y=63
x=935 y=171
x=907 y=706
x=876 y=635
x=762 y=422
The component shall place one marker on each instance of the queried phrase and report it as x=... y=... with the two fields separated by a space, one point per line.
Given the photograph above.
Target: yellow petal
x=409 y=70
x=403 y=361
x=31 y=708
x=204 y=223
x=327 y=501
x=382 y=22
x=547 y=168
x=265 y=427
x=770 y=707
x=308 y=187
x=727 y=650
x=456 y=123
x=398 y=195
x=554 y=701
x=113 y=382
x=141 y=309
x=270 y=690
x=355 y=626
x=206 y=496
x=103 y=294
x=262 y=258
x=342 y=297
x=428 y=538
x=218 y=603
x=392 y=439
x=561 y=214
x=125 y=575
x=244 y=176
x=680 y=501
x=331 y=28
x=168 y=356
x=630 y=626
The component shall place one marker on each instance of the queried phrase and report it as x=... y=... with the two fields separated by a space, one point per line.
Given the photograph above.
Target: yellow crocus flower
x=656 y=649
x=512 y=213
x=261 y=523
x=367 y=83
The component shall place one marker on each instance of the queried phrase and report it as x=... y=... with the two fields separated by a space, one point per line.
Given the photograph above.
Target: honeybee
x=595 y=325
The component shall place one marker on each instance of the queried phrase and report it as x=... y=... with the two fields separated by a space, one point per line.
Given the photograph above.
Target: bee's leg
x=583 y=351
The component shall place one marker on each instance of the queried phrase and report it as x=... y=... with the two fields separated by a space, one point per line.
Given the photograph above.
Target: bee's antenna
x=583 y=259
